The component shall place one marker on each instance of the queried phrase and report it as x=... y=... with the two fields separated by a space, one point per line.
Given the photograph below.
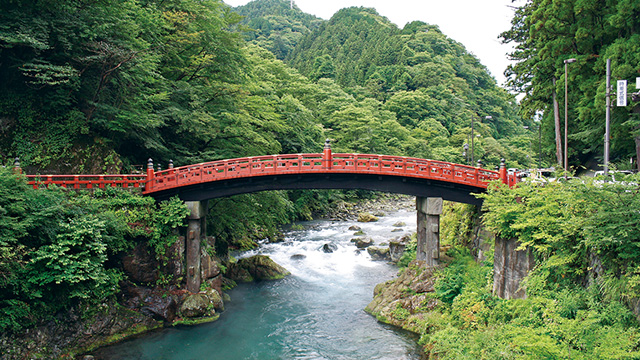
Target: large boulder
x=362 y=243
x=215 y=299
x=160 y=307
x=405 y=301
x=256 y=268
x=156 y=303
x=397 y=247
x=196 y=305
x=378 y=253
x=366 y=217
x=237 y=273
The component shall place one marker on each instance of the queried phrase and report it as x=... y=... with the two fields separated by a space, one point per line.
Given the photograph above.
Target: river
x=316 y=313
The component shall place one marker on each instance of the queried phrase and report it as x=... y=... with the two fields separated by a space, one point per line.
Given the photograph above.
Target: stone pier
x=428 y=234
x=196 y=229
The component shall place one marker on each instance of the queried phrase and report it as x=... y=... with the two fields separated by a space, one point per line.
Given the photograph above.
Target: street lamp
x=488 y=117
x=566 y=113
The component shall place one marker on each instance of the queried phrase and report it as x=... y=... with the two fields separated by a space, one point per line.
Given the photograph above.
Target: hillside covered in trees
x=414 y=80
x=101 y=87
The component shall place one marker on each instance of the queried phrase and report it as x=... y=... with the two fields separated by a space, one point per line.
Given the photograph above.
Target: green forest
x=100 y=87
x=95 y=87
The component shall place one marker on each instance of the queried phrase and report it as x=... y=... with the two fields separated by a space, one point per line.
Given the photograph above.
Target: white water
x=316 y=313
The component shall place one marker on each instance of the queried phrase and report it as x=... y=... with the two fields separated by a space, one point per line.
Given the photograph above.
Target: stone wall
x=510 y=266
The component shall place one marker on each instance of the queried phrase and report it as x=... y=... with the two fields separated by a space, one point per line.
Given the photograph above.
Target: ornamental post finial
x=16 y=166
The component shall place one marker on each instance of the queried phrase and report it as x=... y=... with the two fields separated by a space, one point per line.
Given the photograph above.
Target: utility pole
x=566 y=115
x=607 y=125
x=472 y=148
x=556 y=121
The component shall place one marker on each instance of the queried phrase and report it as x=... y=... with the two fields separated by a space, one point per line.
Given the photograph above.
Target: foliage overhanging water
x=316 y=313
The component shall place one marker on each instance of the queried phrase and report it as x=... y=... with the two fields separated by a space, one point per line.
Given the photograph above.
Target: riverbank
x=138 y=309
x=380 y=206
x=77 y=331
x=315 y=313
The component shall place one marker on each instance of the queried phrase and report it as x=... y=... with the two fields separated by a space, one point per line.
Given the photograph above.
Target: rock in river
x=195 y=305
x=362 y=243
x=378 y=253
x=329 y=248
x=366 y=217
x=255 y=268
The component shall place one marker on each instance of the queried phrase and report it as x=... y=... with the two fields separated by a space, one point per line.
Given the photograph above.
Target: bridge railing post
x=503 y=172
x=16 y=166
x=327 y=157
x=150 y=175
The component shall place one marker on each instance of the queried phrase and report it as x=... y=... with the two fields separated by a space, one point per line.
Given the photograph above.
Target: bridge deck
x=326 y=163
x=317 y=164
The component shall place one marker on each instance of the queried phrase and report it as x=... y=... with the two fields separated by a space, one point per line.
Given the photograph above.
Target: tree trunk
x=556 y=118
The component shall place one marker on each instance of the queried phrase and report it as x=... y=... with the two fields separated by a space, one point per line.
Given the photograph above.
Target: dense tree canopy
x=93 y=87
x=547 y=32
x=275 y=26
x=100 y=86
x=419 y=75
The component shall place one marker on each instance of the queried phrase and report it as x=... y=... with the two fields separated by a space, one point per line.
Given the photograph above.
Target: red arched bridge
x=398 y=174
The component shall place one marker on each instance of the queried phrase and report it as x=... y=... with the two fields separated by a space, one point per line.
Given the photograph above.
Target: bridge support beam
x=196 y=228
x=428 y=212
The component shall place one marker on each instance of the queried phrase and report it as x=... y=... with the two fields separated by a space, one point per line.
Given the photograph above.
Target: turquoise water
x=316 y=313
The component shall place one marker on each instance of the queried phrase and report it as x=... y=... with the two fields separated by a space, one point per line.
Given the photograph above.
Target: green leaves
x=567 y=222
x=75 y=259
x=58 y=247
x=545 y=33
x=564 y=321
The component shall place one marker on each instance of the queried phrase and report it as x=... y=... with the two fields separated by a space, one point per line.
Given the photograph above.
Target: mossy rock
x=378 y=253
x=256 y=268
x=215 y=298
x=195 y=305
x=366 y=217
x=362 y=243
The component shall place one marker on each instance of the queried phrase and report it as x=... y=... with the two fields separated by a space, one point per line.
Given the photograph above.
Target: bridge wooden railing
x=318 y=163
x=88 y=181
x=325 y=162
